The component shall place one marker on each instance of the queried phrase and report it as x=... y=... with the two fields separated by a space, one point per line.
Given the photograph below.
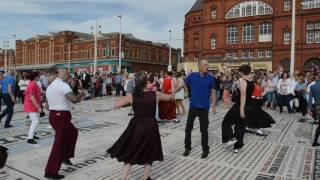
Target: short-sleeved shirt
x=5 y=83
x=130 y=86
x=200 y=90
x=56 y=95
x=32 y=90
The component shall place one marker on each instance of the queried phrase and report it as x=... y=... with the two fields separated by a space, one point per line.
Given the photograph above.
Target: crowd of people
x=157 y=98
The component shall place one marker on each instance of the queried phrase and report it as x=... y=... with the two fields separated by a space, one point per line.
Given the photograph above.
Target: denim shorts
x=270 y=97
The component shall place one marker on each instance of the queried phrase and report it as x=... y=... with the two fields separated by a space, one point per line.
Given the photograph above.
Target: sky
x=145 y=19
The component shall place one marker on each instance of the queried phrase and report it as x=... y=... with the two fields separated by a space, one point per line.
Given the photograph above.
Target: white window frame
x=249 y=8
x=261 y=54
x=248 y=33
x=232 y=34
x=265 y=32
x=317 y=36
x=268 y=54
x=235 y=55
x=228 y=55
x=307 y=4
x=286 y=37
x=213 y=43
x=245 y=55
x=214 y=13
x=251 y=54
x=287 y=5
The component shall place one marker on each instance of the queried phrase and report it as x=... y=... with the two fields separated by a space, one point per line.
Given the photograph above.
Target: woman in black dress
x=239 y=112
x=140 y=144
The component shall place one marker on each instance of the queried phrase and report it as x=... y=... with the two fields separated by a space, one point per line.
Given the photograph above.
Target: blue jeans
x=9 y=109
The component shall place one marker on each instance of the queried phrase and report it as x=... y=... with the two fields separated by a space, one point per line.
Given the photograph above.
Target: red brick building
x=76 y=50
x=235 y=32
x=10 y=59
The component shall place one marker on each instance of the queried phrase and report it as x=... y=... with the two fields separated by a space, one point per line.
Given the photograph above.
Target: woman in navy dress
x=140 y=143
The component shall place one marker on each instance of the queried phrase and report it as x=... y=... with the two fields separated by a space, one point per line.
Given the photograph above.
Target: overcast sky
x=145 y=19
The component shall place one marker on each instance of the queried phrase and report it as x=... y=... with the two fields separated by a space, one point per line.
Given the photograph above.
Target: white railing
x=311 y=4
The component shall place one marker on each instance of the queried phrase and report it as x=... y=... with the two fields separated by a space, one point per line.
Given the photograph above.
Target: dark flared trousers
x=64 y=142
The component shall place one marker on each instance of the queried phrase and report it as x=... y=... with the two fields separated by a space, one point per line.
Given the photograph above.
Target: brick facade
x=67 y=46
x=208 y=20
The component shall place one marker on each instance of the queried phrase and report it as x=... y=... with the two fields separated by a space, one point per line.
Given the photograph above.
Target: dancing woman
x=140 y=144
x=239 y=112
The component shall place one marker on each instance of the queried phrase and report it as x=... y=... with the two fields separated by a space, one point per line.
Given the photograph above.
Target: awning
x=90 y=63
x=36 y=67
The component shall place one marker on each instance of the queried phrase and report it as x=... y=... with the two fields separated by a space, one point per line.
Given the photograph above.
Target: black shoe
x=130 y=114
x=67 y=162
x=8 y=126
x=35 y=137
x=186 y=152
x=204 y=154
x=149 y=178
x=31 y=141
x=315 y=144
x=49 y=176
x=42 y=114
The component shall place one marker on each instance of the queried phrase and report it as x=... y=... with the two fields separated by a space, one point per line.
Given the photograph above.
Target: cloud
x=149 y=19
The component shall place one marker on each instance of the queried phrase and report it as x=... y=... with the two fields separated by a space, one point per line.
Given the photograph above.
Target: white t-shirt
x=23 y=84
x=56 y=96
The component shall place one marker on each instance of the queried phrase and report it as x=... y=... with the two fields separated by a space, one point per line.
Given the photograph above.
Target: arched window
x=265 y=34
x=249 y=8
x=248 y=33
x=233 y=34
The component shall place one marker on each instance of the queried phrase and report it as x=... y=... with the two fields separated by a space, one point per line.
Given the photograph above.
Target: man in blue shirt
x=315 y=94
x=202 y=87
x=8 y=96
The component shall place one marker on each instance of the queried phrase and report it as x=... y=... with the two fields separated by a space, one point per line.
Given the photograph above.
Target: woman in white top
x=23 y=86
x=284 y=90
x=179 y=96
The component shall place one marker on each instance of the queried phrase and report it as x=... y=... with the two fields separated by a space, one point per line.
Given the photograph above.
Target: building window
x=268 y=53
x=228 y=55
x=265 y=32
x=286 y=37
x=249 y=8
x=233 y=34
x=287 y=5
x=213 y=43
x=235 y=55
x=248 y=33
x=310 y=4
x=317 y=37
x=310 y=33
x=260 y=54
x=251 y=55
x=244 y=55
x=214 y=14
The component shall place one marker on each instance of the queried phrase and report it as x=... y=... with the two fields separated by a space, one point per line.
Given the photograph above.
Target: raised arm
x=123 y=102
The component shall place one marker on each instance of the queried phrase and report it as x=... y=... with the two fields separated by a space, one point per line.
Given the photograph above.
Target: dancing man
x=60 y=96
x=202 y=87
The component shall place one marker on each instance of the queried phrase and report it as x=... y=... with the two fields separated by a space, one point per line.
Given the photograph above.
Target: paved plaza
x=285 y=154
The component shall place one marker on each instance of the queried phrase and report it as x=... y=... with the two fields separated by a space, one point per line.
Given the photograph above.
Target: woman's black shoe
x=31 y=141
x=49 y=176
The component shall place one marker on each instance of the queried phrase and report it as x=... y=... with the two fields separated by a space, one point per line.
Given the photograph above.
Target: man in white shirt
x=60 y=97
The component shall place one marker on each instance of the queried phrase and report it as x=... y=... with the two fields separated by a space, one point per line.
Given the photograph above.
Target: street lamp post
x=170 y=63
x=120 y=44
x=293 y=37
x=15 y=51
x=95 y=49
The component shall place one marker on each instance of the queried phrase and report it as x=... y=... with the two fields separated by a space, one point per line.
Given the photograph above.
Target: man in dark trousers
x=8 y=95
x=60 y=96
x=202 y=87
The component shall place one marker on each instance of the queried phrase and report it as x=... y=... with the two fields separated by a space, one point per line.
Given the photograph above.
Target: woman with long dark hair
x=239 y=112
x=284 y=92
x=140 y=144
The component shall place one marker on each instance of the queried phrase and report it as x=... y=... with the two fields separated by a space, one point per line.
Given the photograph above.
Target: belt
x=255 y=97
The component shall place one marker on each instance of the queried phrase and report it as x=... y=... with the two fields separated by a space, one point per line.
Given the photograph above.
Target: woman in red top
x=261 y=119
x=32 y=105
x=167 y=110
